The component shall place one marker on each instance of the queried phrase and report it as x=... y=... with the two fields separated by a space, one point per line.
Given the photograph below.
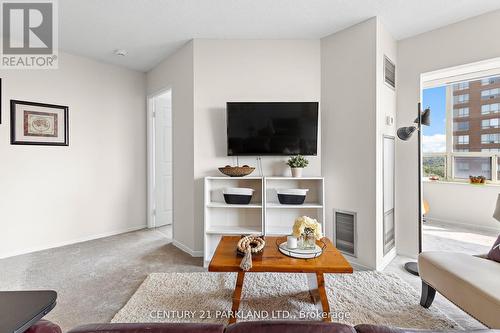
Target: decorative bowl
x=238 y=195
x=237 y=171
x=292 y=196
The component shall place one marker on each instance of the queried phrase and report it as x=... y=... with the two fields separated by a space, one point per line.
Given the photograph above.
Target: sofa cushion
x=44 y=326
x=468 y=281
x=149 y=328
x=288 y=327
x=365 y=328
x=494 y=253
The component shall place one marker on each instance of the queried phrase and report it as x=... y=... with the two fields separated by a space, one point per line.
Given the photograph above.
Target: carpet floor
x=363 y=297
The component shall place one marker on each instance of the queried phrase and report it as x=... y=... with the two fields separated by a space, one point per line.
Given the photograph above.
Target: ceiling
x=150 y=30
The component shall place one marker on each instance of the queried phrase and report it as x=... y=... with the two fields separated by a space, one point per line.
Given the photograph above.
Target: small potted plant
x=296 y=164
x=477 y=179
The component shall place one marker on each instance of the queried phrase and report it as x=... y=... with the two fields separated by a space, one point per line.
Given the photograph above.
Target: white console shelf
x=264 y=215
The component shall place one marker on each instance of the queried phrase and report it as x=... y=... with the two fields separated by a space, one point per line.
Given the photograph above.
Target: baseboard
x=73 y=241
x=187 y=249
x=355 y=264
x=472 y=226
x=387 y=259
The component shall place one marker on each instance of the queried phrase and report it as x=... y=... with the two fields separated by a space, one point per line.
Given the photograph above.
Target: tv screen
x=272 y=128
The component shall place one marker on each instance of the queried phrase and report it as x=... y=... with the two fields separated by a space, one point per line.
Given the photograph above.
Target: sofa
x=470 y=282
x=241 y=327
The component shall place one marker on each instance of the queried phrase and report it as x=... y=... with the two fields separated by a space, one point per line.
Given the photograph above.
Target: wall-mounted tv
x=272 y=128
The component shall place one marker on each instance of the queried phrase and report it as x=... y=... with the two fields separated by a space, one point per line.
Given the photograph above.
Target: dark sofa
x=242 y=327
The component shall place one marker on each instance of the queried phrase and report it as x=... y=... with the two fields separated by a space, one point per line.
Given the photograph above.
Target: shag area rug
x=362 y=297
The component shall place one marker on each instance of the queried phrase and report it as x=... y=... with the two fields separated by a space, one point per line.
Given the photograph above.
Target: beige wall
x=348 y=99
x=386 y=106
x=176 y=73
x=246 y=70
x=461 y=43
x=96 y=187
x=355 y=102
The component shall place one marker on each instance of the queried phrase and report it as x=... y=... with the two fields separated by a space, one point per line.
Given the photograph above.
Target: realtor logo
x=29 y=31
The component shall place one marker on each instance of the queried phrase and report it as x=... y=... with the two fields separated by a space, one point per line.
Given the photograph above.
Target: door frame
x=151 y=157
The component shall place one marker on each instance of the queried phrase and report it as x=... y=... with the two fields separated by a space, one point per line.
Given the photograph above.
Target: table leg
x=316 y=282
x=237 y=296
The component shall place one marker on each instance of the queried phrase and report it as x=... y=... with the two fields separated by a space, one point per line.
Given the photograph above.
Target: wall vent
x=345 y=232
x=389 y=72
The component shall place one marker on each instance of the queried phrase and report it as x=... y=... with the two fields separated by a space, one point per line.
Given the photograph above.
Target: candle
x=291 y=242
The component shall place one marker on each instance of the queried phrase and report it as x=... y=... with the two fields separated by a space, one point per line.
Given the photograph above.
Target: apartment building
x=474 y=125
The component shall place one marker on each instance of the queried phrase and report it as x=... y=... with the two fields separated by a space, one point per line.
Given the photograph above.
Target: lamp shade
x=496 y=214
x=425 y=118
x=404 y=133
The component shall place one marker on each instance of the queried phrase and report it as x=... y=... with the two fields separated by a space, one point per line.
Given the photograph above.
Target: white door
x=163 y=159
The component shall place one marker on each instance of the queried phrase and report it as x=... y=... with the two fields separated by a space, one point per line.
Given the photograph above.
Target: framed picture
x=0 y=100
x=38 y=124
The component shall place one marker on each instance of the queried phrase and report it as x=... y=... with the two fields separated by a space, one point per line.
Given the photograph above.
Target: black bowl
x=291 y=199
x=237 y=199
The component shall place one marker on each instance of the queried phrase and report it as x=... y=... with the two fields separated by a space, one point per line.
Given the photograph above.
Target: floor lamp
x=405 y=133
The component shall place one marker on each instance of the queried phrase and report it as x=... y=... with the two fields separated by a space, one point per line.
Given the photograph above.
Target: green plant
x=297 y=161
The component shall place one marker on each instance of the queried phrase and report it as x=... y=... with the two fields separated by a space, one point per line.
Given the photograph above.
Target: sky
x=434 y=136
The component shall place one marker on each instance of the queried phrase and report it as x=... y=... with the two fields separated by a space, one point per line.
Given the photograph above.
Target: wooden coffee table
x=225 y=259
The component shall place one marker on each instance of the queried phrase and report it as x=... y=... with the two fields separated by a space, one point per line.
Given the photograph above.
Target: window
x=458 y=99
x=461 y=126
x=461 y=86
x=490 y=80
x=463 y=166
x=490 y=138
x=434 y=166
x=462 y=140
x=490 y=108
x=464 y=136
x=475 y=166
x=461 y=112
x=490 y=93
x=489 y=123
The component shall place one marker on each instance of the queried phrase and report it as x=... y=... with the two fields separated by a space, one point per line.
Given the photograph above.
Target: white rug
x=362 y=297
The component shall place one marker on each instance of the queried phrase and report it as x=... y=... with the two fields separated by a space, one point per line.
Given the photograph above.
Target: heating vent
x=345 y=232
x=389 y=72
x=389 y=232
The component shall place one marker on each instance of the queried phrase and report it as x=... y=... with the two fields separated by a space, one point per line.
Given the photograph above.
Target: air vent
x=389 y=72
x=345 y=232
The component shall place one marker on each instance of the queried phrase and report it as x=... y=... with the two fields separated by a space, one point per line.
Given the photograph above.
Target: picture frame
x=34 y=123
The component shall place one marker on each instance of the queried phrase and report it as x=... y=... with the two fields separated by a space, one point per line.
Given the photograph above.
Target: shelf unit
x=264 y=215
x=278 y=218
x=224 y=219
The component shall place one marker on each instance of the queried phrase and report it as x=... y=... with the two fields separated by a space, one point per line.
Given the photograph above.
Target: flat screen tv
x=272 y=128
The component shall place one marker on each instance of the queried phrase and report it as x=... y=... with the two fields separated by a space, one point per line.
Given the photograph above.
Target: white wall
x=461 y=43
x=348 y=99
x=176 y=72
x=246 y=70
x=355 y=102
x=95 y=187
x=386 y=106
x=469 y=205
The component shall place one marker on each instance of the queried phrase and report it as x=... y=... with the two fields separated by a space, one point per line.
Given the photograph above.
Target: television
x=272 y=128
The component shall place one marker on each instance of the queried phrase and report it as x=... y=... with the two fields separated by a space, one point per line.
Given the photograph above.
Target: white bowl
x=293 y=191
x=238 y=191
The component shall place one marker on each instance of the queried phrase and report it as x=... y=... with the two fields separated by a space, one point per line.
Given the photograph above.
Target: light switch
x=389 y=120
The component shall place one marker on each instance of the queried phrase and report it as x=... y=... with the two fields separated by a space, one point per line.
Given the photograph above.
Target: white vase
x=296 y=172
